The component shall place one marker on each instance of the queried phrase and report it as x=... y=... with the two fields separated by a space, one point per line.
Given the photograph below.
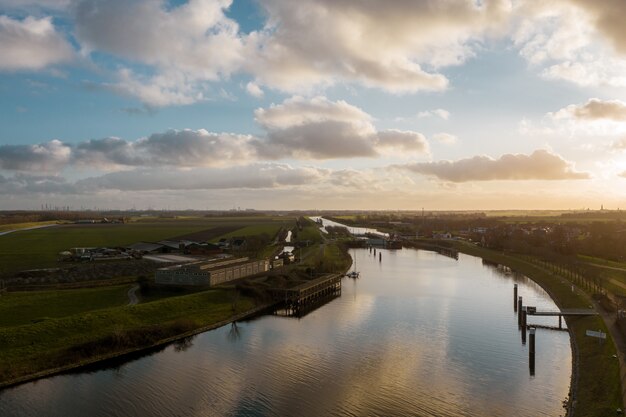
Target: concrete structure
x=217 y=271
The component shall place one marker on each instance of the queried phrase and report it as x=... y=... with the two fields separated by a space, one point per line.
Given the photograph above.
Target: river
x=419 y=334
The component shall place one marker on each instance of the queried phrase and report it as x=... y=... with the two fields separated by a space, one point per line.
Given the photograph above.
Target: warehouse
x=210 y=273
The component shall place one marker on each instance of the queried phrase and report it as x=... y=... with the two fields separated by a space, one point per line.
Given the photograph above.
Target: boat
x=354 y=274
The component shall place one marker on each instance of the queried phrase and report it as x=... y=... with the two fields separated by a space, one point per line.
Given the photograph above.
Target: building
x=214 y=272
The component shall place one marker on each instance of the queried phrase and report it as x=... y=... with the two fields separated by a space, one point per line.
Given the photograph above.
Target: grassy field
x=55 y=342
x=310 y=231
x=19 y=308
x=599 y=391
x=39 y=248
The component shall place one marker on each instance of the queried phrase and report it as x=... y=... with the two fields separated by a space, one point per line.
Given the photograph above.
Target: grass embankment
x=598 y=388
x=20 y=308
x=59 y=342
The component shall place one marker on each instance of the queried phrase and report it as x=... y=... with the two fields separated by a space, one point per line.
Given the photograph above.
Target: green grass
x=254 y=230
x=599 y=392
x=310 y=231
x=40 y=248
x=19 y=308
x=35 y=347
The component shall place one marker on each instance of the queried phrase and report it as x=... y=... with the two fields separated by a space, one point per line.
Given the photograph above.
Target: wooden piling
x=515 y=298
x=519 y=311
x=523 y=326
x=531 y=351
x=380 y=257
x=560 y=322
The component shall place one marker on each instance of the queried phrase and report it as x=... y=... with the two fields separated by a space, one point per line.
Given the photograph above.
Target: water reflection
x=418 y=334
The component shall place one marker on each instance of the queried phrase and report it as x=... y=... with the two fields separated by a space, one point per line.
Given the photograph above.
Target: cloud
x=540 y=165
x=254 y=90
x=23 y=184
x=623 y=174
x=319 y=128
x=297 y=128
x=572 y=40
x=441 y=113
x=608 y=16
x=31 y=44
x=256 y=176
x=41 y=4
x=445 y=138
x=188 y=45
x=47 y=157
x=177 y=148
x=619 y=145
x=595 y=109
x=385 y=45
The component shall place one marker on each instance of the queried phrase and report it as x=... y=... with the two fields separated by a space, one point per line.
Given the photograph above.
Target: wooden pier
x=573 y=312
x=300 y=299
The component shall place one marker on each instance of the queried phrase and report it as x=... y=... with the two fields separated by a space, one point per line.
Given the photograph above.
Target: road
x=6 y=232
x=132 y=295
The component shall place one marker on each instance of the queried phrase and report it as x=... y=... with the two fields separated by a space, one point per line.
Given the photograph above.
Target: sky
x=313 y=104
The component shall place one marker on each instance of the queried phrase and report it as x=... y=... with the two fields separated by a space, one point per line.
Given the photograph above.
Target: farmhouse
x=210 y=273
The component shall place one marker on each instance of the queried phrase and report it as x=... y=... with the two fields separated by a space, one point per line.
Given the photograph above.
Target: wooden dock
x=572 y=312
x=567 y=312
x=298 y=299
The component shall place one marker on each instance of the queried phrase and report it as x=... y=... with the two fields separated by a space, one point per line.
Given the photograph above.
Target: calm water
x=359 y=231
x=419 y=334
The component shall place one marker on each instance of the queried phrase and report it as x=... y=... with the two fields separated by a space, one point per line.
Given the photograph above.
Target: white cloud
x=441 y=113
x=298 y=128
x=445 y=138
x=595 y=109
x=619 y=145
x=573 y=40
x=24 y=184
x=384 y=45
x=251 y=176
x=52 y=156
x=254 y=90
x=319 y=128
x=540 y=165
x=189 y=45
x=31 y=44
x=174 y=148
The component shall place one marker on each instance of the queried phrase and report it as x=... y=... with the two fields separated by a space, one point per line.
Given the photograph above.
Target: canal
x=419 y=334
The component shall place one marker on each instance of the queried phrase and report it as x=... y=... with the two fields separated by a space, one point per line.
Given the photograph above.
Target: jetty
x=301 y=298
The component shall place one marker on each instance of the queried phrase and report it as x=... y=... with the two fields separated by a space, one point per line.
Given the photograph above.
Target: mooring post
x=560 y=320
x=531 y=351
x=380 y=257
x=519 y=310
x=515 y=298
x=523 y=325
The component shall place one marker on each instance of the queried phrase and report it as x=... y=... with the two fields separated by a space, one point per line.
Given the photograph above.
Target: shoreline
x=258 y=310
x=574 y=377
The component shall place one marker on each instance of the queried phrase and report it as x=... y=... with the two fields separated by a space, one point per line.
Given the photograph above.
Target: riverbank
x=595 y=386
x=53 y=346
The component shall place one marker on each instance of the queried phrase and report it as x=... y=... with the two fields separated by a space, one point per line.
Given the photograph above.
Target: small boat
x=355 y=273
